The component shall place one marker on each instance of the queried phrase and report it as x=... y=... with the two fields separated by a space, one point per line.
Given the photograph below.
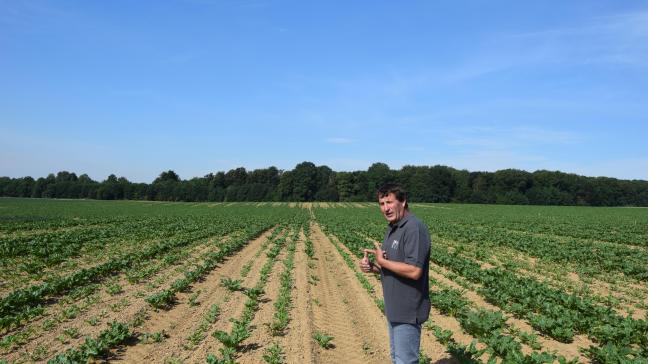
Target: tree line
x=308 y=182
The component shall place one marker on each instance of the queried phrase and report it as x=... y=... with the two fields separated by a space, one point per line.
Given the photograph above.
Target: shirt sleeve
x=417 y=246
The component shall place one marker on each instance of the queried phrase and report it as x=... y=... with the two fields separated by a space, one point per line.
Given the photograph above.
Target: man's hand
x=381 y=255
x=365 y=264
x=401 y=269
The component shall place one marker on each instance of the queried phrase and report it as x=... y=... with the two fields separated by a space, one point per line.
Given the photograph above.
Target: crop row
x=560 y=315
x=465 y=354
x=351 y=262
x=587 y=256
x=616 y=225
x=166 y=297
x=65 y=247
x=43 y=244
x=199 y=334
x=24 y=303
x=241 y=327
x=549 y=310
x=283 y=303
x=117 y=333
x=39 y=222
x=490 y=328
x=477 y=324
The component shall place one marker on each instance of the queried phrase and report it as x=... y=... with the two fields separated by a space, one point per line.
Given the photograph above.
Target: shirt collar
x=402 y=221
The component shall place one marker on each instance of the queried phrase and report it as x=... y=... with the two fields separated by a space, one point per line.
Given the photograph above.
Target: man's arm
x=374 y=268
x=402 y=269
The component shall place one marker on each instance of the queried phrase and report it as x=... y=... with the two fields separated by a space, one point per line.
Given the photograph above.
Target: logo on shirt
x=394 y=244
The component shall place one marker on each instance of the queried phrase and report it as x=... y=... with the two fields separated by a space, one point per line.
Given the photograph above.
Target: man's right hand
x=365 y=264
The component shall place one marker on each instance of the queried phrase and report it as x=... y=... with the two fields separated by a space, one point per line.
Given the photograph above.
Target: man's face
x=391 y=208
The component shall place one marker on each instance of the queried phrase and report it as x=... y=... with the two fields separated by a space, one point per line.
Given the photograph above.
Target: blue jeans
x=404 y=342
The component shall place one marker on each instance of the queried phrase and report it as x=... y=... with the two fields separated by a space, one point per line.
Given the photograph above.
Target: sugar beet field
x=133 y=282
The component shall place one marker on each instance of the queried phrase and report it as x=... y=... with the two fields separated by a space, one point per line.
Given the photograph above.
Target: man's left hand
x=381 y=255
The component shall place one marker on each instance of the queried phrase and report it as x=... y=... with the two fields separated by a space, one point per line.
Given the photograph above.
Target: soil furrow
x=182 y=319
x=342 y=309
x=98 y=308
x=254 y=347
x=568 y=350
x=297 y=343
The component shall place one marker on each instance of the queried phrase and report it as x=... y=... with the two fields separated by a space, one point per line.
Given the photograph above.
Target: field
x=134 y=281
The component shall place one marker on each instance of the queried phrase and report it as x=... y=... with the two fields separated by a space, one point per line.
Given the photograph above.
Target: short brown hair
x=398 y=191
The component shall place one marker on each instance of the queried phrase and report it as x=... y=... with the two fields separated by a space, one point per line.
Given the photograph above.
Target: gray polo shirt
x=407 y=300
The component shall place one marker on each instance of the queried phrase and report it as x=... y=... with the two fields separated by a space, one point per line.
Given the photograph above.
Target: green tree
x=377 y=175
x=165 y=187
x=285 y=187
x=304 y=182
x=168 y=176
x=344 y=185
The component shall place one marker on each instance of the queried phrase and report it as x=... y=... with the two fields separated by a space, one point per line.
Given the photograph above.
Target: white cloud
x=545 y=136
x=499 y=138
x=29 y=14
x=620 y=39
x=617 y=39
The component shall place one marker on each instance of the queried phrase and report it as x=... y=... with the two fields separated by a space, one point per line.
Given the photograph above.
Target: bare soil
x=548 y=344
x=297 y=343
x=327 y=298
x=99 y=308
x=182 y=320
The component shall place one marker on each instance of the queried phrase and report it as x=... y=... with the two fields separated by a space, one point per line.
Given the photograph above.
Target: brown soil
x=570 y=281
x=567 y=350
x=559 y=276
x=125 y=245
x=182 y=319
x=100 y=306
x=297 y=344
x=342 y=309
x=255 y=346
x=126 y=306
x=327 y=298
x=448 y=323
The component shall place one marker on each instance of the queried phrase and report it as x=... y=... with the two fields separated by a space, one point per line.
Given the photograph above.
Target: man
x=403 y=263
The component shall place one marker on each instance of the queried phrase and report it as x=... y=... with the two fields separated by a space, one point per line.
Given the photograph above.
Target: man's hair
x=398 y=191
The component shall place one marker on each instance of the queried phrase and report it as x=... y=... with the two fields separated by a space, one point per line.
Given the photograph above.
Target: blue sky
x=198 y=86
